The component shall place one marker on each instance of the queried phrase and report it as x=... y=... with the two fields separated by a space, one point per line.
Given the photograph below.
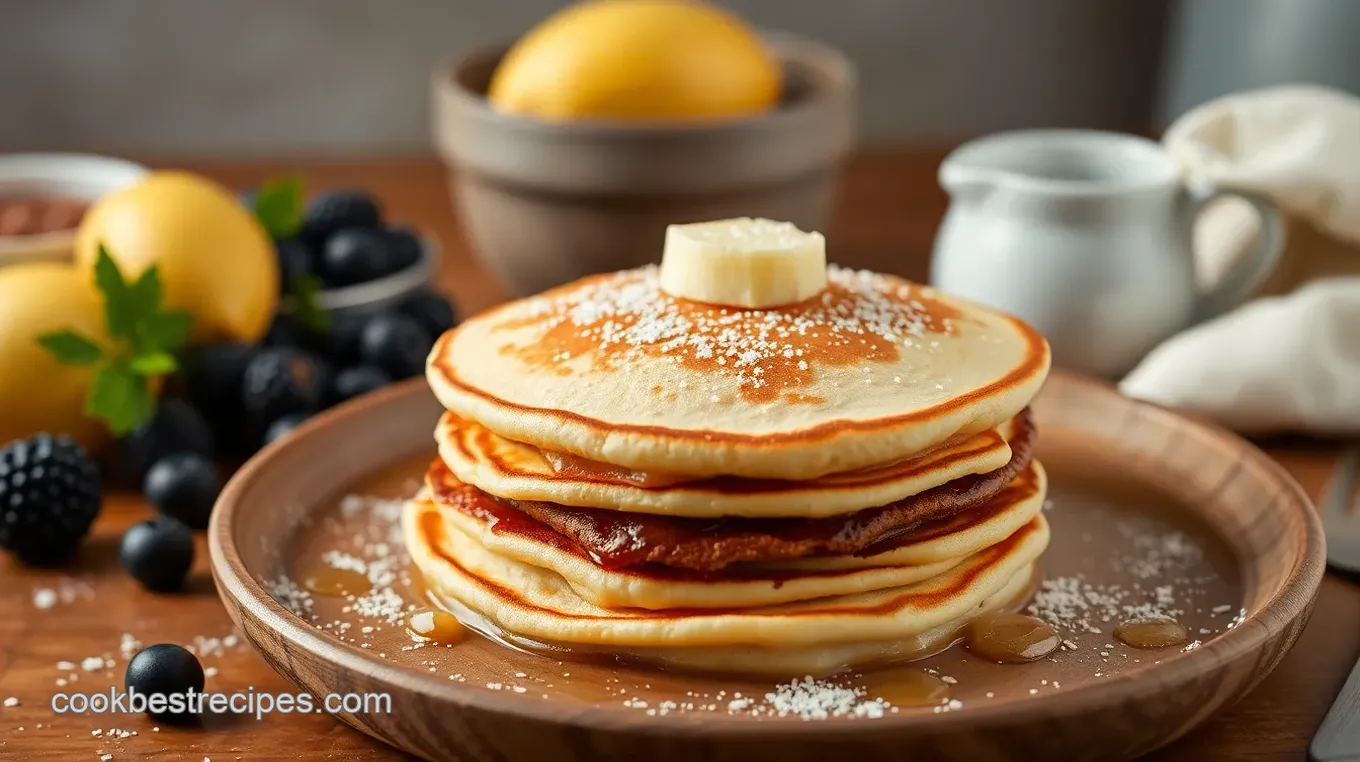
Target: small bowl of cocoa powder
x=43 y=197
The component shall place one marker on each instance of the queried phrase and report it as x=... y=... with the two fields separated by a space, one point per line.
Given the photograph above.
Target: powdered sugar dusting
x=624 y=319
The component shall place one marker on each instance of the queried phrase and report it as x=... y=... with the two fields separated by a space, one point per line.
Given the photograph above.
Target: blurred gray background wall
x=260 y=77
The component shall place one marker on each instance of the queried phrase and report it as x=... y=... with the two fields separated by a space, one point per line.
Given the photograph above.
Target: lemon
x=637 y=60
x=215 y=258
x=36 y=392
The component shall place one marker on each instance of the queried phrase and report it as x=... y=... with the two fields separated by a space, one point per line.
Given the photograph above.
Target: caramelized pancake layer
x=916 y=555
x=524 y=472
x=538 y=604
x=615 y=539
x=611 y=369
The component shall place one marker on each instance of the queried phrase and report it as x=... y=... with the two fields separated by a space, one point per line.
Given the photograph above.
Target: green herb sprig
x=145 y=338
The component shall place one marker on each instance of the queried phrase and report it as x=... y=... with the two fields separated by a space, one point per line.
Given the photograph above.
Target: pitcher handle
x=1252 y=270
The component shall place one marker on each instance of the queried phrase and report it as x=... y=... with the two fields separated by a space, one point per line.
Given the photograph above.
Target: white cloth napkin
x=1289 y=362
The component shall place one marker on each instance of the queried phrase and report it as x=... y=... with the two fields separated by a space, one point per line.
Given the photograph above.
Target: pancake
x=615 y=539
x=610 y=368
x=917 y=555
x=538 y=604
x=659 y=588
x=524 y=472
x=829 y=659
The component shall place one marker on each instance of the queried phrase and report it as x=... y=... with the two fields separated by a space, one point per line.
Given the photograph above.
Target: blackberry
x=355 y=256
x=49 y=497
x=337 y=210
x=176 y=427
x=395 y=344
x=281 y=380
x=434 y=313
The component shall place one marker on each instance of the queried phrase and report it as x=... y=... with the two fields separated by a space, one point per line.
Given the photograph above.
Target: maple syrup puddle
x=907 y=687
x=435 y=625
x=1011 y=638
x=1122 y=551
x=1152 y=633
x=327 y=580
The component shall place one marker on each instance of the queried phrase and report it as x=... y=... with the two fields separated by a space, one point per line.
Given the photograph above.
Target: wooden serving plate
x=1146 y=505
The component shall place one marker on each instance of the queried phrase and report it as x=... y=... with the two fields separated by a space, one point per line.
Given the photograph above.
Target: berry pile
x=232 y=399
x=252 y=396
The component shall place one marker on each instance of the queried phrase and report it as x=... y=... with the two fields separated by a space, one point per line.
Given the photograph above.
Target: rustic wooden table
x=68 y=630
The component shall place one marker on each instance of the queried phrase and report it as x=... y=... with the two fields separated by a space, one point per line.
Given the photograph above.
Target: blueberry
x=286 y=331
x=176 y=427
x=340 y=343
x=215 y=375
x=434 y=313
x=158 y=553
x=396 y=344
x=357 y=381
x=166 y=670
x=183 y=486
x=295 y=261
x=340 y=209
x=283 y=426
x=355 y=255
x=282 y=380
x=406 y=248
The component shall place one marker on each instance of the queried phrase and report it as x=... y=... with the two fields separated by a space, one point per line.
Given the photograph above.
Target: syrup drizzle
x=621 y=319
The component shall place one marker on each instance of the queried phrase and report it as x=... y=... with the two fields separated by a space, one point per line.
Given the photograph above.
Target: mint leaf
x=145 y=337
x=278 y=206
x=70 y=348
x=166 y=331
x=119 y=310
x=305 y=302
x=120 y=398
x=154 y=364
x=146 y=293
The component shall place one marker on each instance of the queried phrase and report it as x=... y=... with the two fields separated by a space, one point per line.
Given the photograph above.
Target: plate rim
x=241 y=591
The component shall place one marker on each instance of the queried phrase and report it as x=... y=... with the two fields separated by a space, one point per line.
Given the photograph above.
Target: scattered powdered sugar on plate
x=67 y=591
x=1156 y=563
x=375 y=550
x=813 y=699
x=807 y=698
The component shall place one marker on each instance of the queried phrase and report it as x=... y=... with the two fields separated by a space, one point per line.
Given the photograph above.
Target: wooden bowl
x=548 y=202
x=1100 y=449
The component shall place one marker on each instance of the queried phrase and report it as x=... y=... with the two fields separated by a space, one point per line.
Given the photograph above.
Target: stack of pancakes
x=788 y=490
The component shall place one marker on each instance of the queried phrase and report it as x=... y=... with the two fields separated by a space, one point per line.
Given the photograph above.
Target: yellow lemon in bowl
x=37 y=393
x=641 y=60
x=215 y=259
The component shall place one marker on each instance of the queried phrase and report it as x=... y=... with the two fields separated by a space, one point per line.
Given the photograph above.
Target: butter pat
x=743 y=262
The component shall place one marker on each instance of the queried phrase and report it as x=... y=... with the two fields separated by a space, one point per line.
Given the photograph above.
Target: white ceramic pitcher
x=1086 y=235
